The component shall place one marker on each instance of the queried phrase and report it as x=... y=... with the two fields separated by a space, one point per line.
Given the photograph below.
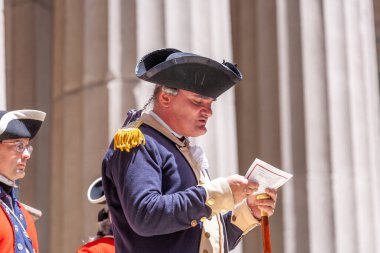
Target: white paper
x=266 y=175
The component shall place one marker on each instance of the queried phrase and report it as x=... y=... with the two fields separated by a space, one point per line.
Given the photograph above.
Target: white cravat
x=200 y=157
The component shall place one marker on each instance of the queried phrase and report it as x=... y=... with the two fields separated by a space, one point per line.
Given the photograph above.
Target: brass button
x=233 y=218
x=194 y=223
x=203 y=219
x=207 y=234
x=205 y=251
x=211 y=201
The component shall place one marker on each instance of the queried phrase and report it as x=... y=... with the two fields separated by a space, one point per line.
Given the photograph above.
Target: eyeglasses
x=20 y=147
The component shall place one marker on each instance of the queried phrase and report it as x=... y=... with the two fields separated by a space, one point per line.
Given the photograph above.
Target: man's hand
x=241 y=187
x=267 y=205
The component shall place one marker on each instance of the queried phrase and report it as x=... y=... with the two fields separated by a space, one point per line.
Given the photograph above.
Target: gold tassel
x=128 y=138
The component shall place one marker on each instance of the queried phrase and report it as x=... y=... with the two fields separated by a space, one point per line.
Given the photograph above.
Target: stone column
x=245 y=44
x=371 y=66
x=27 y=44
x=268 y=102
x=257 y=98
x=80 y=123
x=294 y=198
x=67 y=158
x=43 y=23
x=3 y=90
x=339 y=124
x=150 y=36
x=94 y=91
x=122 y=51
x=318 y=156
x=364 y=118
x=178 y=29
x=339 y=115
x=358 y=124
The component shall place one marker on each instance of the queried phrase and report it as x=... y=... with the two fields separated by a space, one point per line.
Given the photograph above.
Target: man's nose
x=207 y=111
x=26 y=154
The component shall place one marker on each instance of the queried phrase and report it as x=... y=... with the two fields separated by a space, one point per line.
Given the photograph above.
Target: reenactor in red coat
x=17 y=128
x=103 y=242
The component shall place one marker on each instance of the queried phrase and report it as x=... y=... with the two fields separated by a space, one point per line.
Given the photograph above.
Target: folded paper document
x=266 y=175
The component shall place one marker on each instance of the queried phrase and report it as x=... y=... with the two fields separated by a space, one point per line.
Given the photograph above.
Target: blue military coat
x=154 y=198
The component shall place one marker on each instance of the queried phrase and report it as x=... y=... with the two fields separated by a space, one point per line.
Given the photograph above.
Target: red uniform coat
x=101 y=245
x=7 y=242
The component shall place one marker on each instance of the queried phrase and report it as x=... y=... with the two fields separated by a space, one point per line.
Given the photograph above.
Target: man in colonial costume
x=156 y=182
x=17 y=128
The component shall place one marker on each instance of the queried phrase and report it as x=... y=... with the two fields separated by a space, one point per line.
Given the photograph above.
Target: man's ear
x=164 y=99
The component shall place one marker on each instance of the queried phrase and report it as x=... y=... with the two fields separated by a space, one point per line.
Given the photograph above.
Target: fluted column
x=178 y=29
x=67 y=157
x=246 y=56
x=340 y=130
x=320 y=194
x=294 y=198
x=3 y=101
x=359 y=125
x=258 y=116
x=341 y=123
x=80 y=111
x=122 y=59
x=150 y=36
x=94 y=131
x=27 y=45
x=268 y=102
x=371 y=66
x=364 y=118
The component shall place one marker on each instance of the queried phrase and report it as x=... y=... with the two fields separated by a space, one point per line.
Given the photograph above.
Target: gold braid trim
x=128 y=138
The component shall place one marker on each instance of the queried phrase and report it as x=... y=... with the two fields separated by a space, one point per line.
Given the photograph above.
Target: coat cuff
x=243 y=218
x=219 y=196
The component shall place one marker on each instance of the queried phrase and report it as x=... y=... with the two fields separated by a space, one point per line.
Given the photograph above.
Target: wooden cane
x=265 y=226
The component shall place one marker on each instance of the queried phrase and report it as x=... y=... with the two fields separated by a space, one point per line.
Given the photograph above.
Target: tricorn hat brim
x=95 y=193
x=176 y=69
x=20 y=124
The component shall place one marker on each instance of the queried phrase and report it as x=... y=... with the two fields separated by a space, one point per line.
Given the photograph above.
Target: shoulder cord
x=15 y=216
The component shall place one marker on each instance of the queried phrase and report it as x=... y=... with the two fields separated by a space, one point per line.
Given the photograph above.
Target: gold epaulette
x=129 y=137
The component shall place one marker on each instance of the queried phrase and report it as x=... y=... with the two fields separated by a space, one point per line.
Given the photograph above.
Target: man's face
x=13 y=162
x=188 y=112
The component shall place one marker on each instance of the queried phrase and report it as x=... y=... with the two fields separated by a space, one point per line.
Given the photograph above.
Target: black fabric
x=102 y=215
x=6 y=188
x=20 y=128
x=188 y=71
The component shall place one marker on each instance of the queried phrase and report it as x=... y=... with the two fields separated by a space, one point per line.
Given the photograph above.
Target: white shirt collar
x=162 y=122
x=8 y=182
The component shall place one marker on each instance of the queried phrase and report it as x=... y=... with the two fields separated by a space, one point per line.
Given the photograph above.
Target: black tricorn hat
x=20 y=124
x=175 y=69
x=95 y=193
